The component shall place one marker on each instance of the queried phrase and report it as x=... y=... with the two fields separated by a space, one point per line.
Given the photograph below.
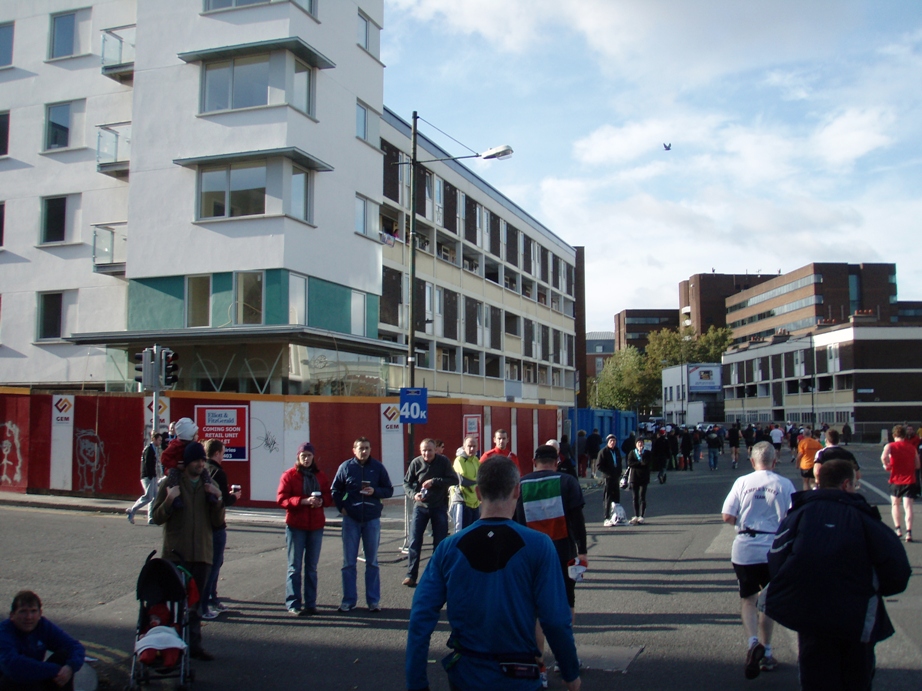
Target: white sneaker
x=634 y=521
x=607 y=523
x=209 y=614
x=640 y=520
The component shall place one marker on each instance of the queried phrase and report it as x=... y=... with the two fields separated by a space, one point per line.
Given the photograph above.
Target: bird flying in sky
x=668 y=146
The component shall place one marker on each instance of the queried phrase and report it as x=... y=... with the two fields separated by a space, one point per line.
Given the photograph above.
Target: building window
x=4 y=134
x=302 y=195
x=249 y=297
x=361 y=121
x=238 y=83
x=236 y=190
x=297 y=299
x=363 y=32
x=2 y=221
x=54 y=223
x=358 y=313
x=50 y=315
x=302 y=96
x=63 y=35
x=6 y=45
x=57 y=126
x=198 y=301
x=599 y=365
x=223 y=4
x=361 y=216
x=309 y=6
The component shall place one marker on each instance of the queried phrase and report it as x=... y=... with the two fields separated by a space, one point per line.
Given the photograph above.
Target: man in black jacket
x=832 y=564
x=426 y=482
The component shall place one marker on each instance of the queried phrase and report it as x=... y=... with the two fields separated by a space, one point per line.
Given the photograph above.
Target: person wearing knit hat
x=303 y=492
x=173 y=459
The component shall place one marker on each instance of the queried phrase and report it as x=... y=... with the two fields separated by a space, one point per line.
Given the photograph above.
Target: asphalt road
x=662 y=595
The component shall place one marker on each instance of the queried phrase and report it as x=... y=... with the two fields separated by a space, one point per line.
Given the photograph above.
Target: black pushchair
x=162 y=637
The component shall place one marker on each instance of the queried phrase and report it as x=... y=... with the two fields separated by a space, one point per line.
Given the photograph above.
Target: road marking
x=723 y=542
x=865 y=483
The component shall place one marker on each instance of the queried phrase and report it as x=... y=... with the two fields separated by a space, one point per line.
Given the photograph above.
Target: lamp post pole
x=411 y=327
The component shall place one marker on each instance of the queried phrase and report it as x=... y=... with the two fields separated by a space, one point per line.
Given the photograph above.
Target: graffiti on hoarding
x=11 y=451
x=92 y=460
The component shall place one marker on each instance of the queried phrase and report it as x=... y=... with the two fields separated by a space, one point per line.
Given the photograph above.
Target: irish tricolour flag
x=544 y=506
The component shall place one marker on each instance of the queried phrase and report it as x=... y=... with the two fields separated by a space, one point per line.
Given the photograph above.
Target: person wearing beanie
x=303 y=492
x=188 y=531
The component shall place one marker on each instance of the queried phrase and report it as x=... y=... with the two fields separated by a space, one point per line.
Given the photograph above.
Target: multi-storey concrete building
x=497 y=289
x=863 y=372
x=797 y=301
x=633 y=326
x=599 y=347
x=702 y=297
x=207 y=175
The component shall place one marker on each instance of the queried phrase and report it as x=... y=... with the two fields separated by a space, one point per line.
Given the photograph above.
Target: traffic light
x=148 y=375
x=168 y=366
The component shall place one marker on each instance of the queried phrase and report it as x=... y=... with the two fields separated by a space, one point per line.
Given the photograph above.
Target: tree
x=666 y=348
x=626 y=383
x=714 y=343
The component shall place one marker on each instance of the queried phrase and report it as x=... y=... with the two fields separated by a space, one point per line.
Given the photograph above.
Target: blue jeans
x=713 y=454
x=370 y=534
x=303 y=548
x=421 y=517
x=147 y=499
x=210 y=596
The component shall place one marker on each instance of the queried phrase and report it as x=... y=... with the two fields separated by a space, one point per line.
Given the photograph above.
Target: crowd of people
x=783 y=538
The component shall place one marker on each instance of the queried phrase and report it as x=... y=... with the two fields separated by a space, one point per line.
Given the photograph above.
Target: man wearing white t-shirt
x=777 y=435
x=756 y=505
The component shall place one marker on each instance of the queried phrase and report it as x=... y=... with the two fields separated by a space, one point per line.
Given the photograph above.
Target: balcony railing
x=110 y=245
x=113 y=149
x=118 y=53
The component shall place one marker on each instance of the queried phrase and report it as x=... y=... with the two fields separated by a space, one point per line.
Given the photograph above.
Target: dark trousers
x=421 y=517
x=829 y=664
x=611 y=493
x=44 y=685
x=640 y=499
x=200 y=572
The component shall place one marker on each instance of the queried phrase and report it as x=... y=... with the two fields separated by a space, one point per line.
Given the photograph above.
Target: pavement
x=393 y=509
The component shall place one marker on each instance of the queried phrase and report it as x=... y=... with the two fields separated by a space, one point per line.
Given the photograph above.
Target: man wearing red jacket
x=500 y=442
x=303 y=492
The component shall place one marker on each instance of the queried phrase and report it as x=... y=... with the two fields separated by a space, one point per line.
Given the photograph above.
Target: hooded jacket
x=832 y=562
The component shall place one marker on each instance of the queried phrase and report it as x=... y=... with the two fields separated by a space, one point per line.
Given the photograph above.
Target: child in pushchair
x=161 y=639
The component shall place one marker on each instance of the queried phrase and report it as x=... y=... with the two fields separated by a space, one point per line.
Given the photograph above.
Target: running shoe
x=607 y=523
x=768 y=663
x=753 y=660
x=209 y=614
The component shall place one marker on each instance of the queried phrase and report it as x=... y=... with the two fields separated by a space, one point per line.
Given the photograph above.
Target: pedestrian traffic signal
x=148 y=375
x=169 y=368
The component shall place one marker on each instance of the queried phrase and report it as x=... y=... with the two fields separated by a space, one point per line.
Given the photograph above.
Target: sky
x=796 y=129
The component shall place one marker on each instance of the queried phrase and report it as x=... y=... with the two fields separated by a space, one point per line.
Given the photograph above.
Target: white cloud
x=843 y=139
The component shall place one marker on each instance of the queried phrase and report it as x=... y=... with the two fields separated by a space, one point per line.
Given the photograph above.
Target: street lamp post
x=498 y=152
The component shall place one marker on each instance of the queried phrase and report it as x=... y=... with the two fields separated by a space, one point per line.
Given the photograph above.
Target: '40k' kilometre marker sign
x=414 y=405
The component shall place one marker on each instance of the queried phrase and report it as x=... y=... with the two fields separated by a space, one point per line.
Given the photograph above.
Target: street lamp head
x=497 y=152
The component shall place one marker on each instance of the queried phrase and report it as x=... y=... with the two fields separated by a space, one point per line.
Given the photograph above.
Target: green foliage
x=714 y=343
x=626 y=383
x=631 y=379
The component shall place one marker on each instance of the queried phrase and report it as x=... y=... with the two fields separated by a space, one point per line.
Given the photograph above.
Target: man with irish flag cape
x=552 y=503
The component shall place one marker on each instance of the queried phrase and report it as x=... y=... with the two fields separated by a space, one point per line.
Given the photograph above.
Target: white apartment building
x=217 y=177
x=496 y=289
x=187 y=172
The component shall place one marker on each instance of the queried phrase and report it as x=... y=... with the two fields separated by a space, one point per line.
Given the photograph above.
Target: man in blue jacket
x=497 y=578
x=25 y=639
x=358 y=488
x=834 y=538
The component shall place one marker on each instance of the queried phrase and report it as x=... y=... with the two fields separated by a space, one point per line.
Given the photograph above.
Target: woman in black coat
x=610 y=470
x=638 y=461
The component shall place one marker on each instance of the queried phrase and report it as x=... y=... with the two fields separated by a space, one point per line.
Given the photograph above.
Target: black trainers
x=753 y=659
